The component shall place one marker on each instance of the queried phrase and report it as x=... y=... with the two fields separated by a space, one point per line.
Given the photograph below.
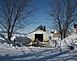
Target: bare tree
x=63 y=13
x=70 y=7
x=14 y=14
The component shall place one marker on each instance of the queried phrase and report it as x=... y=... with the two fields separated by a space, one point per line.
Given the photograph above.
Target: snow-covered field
x=36 y=54
x=9 y=53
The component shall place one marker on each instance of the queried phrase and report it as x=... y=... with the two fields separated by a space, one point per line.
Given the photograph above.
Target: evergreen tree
x=41 y=28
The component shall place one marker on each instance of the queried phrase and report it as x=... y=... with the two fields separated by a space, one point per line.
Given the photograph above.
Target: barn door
x=39 y=37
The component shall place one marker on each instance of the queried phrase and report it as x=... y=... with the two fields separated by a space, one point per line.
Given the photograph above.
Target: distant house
x=39 y=37
x=75 y=28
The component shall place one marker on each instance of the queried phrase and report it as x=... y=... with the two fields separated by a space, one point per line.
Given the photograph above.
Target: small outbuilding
x=39 y=37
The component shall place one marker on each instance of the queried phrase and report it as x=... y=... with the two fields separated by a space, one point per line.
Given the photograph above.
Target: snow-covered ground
x=36 y=54
x=9 y=53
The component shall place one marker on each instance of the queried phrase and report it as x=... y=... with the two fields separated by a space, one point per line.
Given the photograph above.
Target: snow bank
x=69 y=41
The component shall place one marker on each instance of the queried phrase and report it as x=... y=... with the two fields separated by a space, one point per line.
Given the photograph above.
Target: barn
x=39 y=37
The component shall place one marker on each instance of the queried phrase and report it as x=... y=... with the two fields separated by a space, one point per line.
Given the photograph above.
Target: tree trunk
x=64 y=31
x=9 y=36
x=64 y=35
x=76 y=29
x=61 y=35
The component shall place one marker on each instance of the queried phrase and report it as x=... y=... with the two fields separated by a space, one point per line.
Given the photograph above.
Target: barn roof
x=36 y=30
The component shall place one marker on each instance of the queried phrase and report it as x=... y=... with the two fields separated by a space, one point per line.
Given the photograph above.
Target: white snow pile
x=6 y=46
x=69 y=41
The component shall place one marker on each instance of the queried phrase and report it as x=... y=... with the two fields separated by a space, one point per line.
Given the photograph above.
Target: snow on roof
x=36 y=30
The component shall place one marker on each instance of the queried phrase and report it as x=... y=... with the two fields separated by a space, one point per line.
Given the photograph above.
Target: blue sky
x=42 y=15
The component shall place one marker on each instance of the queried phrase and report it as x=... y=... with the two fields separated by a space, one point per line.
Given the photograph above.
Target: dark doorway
x=39 y=37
